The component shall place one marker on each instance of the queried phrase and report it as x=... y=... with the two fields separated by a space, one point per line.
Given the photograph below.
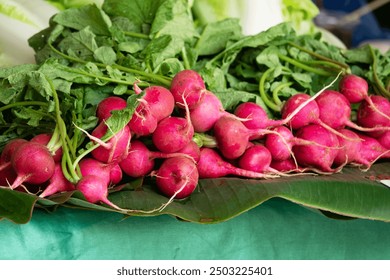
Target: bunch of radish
x=314 y=133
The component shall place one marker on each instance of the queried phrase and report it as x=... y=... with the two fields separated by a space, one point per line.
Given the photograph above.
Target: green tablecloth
x=277 y=229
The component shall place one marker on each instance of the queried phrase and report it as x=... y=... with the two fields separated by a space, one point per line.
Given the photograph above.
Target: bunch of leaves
x=89 y=53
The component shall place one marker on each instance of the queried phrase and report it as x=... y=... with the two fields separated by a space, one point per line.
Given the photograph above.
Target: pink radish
x=115 y=149
x=256 y=158
x=8 y=150
x=95 y=190
x=192 y=150
x=384 y=139
x=92 y=166
x=350 y=150
x=143 y=122
x=32 y=163
x=355 y=89
x=280 y=144
x=335 y=111
x=256 y=116
x=7 y=175
x=173 y=133
x=44 y=139
x=286 y=165
x=212 y=165
x=318 y=156
x=107 y=105
x=206 y=112
x=289 y=166
x=57 y=183
x=363 y=150
x=372 y=150
x=140 y=161
x=376 y=115
x=177 y=177
x=116 y=174
x=233 y=136
x=187 y=86
x=309 y=114
x=160 y=101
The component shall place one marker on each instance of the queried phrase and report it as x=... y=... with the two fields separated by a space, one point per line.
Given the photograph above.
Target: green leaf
x=139 y=12
x=215 y=36
x=105 y=55
x=174 y=18
x=16 y=206
x=86 y=16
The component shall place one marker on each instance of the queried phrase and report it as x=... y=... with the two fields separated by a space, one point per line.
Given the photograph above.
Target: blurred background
x=356 y=22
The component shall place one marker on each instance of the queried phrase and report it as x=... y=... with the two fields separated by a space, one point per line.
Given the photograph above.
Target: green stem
x=136 y=35
x=185 y=58
x=321 y=57
x=23 y=103
x=303 y=66
x=263 y=94
x=163 y=80
x=325 y=65
x=204 y=140
x=378 y=82
x=275 y=93
x=70 y=174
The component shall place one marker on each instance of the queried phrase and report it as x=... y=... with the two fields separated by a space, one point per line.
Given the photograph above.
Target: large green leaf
x=349 y=194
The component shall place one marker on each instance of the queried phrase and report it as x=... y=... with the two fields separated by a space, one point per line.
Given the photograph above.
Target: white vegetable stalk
x=259 y=15
x=19 y=20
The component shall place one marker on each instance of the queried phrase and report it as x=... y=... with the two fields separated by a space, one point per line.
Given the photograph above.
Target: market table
x=277 y=229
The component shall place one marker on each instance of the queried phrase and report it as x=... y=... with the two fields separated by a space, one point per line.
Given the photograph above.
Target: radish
x=355 y=89
x=177 y=177
x=7 y=175
x=115 y=149
x=207 y=111
x=289 y=165
x=350 y=150
x=143 y=122
x=107 y=105
x=95 y=190
x=32 y=163
x=256 y=158
x=384 y=139
x=173 y=133
x=160 y=101
x=57 y=183
x=335 y=111
x=233 y=136
x=318 y=156
x=8 y=150
x=256 y=116
x=280 y=144
x=187 y=86
x=192 y=150
x=44 y=139
x=308 y=114
x=371 y=149
x=116 y=174
x=140 y=161
x=286 y=165
x=92 y=166
x=362 y=150
x=376 y=115
x=212 y=165
x=301 y=110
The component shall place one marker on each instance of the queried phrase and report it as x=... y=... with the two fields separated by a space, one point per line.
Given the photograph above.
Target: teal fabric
x=277 y=229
